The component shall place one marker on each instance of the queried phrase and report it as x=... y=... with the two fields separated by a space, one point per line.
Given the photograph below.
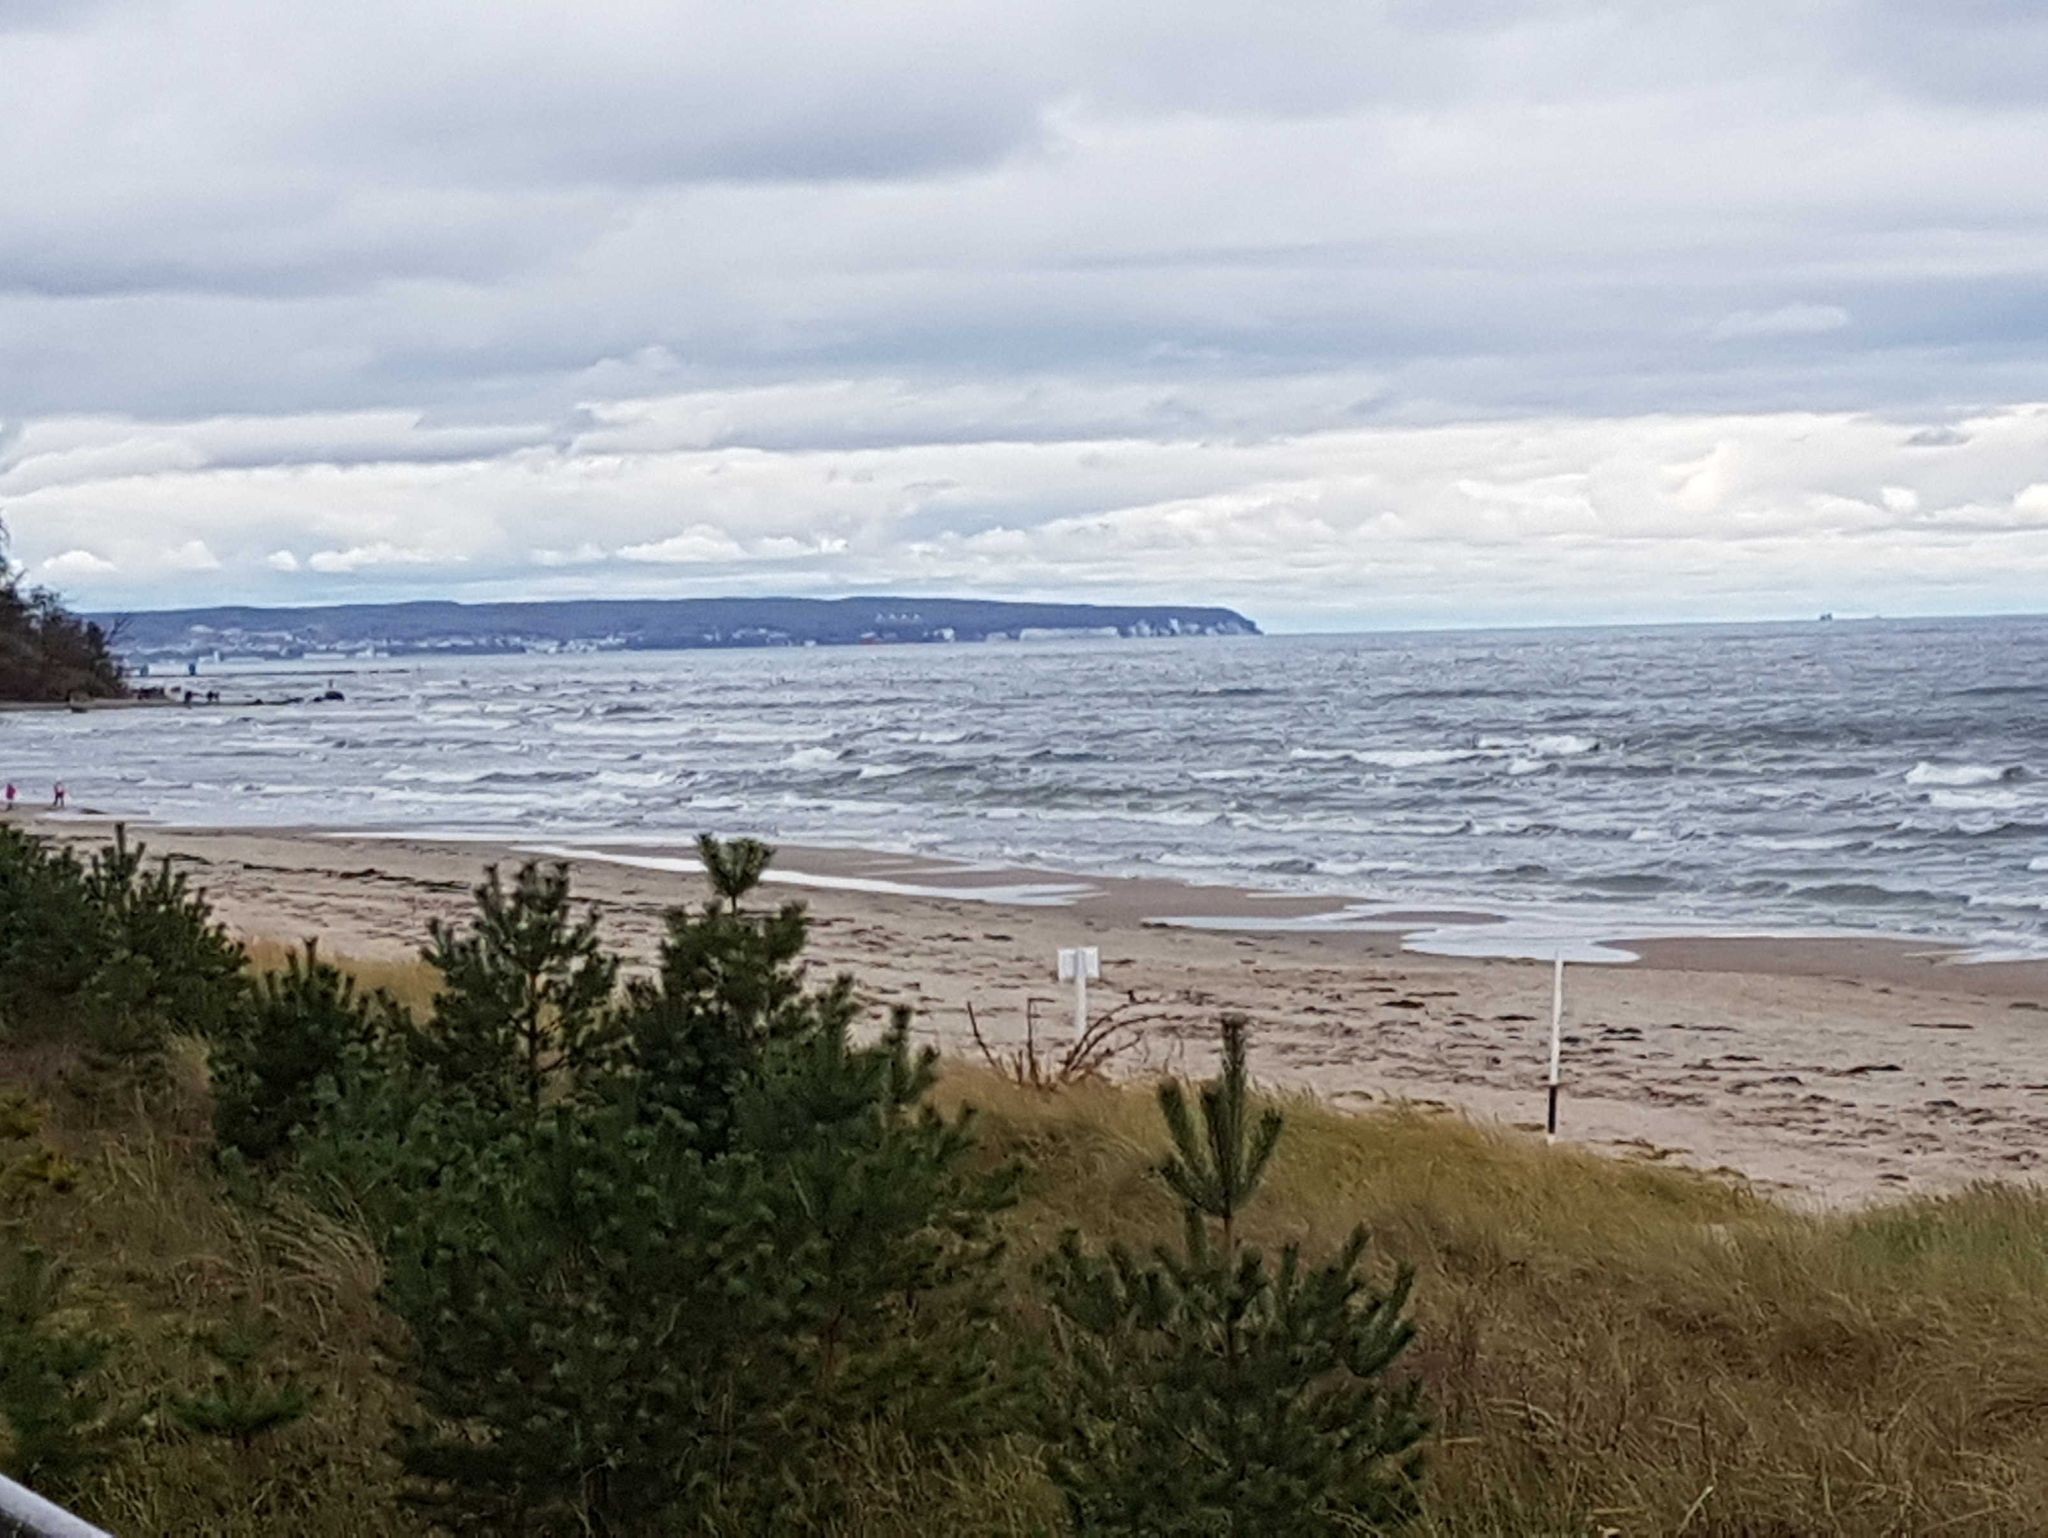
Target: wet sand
x=1832 y=1070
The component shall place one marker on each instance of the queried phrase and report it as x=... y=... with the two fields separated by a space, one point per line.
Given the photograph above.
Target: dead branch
x=1108 y=1037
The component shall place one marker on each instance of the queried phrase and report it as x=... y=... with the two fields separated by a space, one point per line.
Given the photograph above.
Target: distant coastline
x=674 y=624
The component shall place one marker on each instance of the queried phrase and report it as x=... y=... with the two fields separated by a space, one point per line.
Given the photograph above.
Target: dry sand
x=1830 y=1070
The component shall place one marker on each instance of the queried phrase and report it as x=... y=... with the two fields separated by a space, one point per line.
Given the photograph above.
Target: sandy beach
x=1830 y=1071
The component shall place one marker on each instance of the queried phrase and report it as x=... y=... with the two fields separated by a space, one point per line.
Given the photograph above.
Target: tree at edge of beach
x=47 y=653
x=1213 y=1392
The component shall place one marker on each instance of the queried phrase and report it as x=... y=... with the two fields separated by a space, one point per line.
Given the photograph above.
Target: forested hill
x=48 y=653
x=646 y=625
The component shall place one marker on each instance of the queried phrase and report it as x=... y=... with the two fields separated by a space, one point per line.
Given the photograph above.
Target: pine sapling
x=526 y=993
x=57 y=1425
x=1212 y=1392
x=306 y=1033
x=247 y=1399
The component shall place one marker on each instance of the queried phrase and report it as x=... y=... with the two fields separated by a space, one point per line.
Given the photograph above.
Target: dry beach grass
x=1611 y=1346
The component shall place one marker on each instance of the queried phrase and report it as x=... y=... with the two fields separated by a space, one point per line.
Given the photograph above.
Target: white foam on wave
x=437 y=776
x=1386 y=758
x=612 y=730
x=1168 y=817
x=2039 y=863
x=1814 y=844
x=765 y=733
x=1178 y=859
x=1517 y=938
x=1927 y=772
x=1972 y=800
x=1565 y=744
x=2036 y=902
x=811 y=758
x=883 y=771
x=1036 y=894
x=633 y=779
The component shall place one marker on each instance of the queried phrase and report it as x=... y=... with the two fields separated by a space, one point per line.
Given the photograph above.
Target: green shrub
x=248 y=1398
x=113 y=952
x=56 y=1425
x=728 y=987
x=621 y=1326
x=1213 y=1393
x=526 y=992
x=305 y=1034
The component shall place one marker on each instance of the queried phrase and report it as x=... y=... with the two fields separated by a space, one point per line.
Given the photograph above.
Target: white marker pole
x=1556 y=1042
x=1077 y=964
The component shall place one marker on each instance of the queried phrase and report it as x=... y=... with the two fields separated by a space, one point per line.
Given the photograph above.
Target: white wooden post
x=1556 y=1043
x=1077 y=964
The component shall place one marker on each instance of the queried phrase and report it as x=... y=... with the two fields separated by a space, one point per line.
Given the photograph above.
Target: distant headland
x=636 y=624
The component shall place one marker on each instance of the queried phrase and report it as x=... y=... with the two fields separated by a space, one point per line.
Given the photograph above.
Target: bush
x=305 y=1034
x=526 y=994
x=50 y=933
x=114 y=952
x=1213 y=1393
x=58 y=1426
x=728 y=988
x=621 y=1324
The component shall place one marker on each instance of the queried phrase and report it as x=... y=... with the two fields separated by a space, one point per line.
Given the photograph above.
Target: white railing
x=25 y=1514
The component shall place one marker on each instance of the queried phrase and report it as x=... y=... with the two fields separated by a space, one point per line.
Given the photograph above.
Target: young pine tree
x=1214 y=1392
x=526 y=994
x=56 y=1424
x=159 y=963
x=621 y=1326
x=49 y=936
x=248 y=1398
x=729 y=985
x=306 y=1035
x=887 y=1226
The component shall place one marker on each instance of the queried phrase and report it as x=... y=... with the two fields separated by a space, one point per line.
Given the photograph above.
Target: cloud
x=585 y=554
x=363 y=557
x=700 y=543
x=1785 y=320
x=69 y=564
x=617 y=293
x=1565 y=517
x=193 y=555
x=1937 y=438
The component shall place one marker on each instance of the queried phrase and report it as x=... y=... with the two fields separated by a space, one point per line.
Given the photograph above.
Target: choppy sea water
x=1886 y=777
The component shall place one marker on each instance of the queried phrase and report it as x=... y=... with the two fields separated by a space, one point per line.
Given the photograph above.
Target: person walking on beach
x=11 y=794
x=57 y=797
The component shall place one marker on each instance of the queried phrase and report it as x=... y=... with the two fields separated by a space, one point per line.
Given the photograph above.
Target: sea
x=1860 y=777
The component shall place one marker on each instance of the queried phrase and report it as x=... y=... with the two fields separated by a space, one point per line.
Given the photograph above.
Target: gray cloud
x=409 y=292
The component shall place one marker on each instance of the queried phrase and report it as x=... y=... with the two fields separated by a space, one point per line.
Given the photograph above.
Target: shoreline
x=1450 y=930
x=1828 y=1070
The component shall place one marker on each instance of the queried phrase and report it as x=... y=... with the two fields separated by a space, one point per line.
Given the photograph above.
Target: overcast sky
x=1345 y=313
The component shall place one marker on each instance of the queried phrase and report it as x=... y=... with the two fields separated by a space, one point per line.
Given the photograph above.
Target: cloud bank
x=1346 y=314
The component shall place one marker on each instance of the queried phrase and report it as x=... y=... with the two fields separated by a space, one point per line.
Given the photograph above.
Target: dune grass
x=1608 y=1346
